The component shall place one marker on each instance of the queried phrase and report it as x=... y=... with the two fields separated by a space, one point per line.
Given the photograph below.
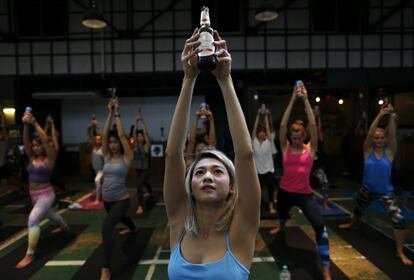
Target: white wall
x=157 y=112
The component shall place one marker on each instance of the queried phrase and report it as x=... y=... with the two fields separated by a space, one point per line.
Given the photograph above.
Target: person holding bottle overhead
x=118 y=156
x=42 y=157
x=294 y=187
x=142 y=144
x=207 y=138
x=380 y=147
x=263 y=157
x=213 y=209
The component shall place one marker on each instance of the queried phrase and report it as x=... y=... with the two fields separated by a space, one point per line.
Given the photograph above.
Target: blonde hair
x=191 y=224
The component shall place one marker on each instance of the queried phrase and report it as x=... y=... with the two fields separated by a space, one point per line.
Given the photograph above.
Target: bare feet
x=326 y=273
x=140 y=210
x=275 y=230
x=326 y=205
x=346 y=226
x=404 y=259
x=60 y=229
x=127 y=231
x=25 y=261
x=105 y=274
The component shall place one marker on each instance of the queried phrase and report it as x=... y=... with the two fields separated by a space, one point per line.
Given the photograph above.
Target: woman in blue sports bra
x=213 y=209
x=380 y=147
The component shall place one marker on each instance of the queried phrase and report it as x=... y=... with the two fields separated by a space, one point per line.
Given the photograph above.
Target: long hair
x=191 y=224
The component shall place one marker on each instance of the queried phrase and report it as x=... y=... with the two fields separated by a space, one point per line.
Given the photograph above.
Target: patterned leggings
x=388 y=201
x=323 y=181
x=42 y=203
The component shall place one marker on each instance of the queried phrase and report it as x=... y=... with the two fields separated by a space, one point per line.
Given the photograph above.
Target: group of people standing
x=213 y=204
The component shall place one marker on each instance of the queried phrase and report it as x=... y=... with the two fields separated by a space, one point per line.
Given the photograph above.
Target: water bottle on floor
x=285 y=274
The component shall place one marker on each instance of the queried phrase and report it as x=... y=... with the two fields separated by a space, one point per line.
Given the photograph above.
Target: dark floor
x=366 y=253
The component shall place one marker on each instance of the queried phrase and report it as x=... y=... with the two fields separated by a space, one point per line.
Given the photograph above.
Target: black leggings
x=309 y=207
x=142 y=181
x=116 y=213
x=268 y=179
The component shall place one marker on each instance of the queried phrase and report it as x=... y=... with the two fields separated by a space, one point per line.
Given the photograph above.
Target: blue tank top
x=39 y=173
x=377 y=174
x=227 y=268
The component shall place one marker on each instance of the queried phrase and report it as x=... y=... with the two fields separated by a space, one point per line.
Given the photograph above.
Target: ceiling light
x=266 y=12
x=93 y=18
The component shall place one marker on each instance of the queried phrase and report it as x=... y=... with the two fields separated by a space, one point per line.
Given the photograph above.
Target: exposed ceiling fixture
x=65 y=95
x=94 y=18
x=266 y=12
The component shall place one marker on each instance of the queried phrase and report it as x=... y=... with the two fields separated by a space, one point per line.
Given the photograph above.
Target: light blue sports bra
x=227 y=268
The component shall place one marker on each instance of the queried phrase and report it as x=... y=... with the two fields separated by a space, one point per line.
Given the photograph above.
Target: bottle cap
x=28 y=109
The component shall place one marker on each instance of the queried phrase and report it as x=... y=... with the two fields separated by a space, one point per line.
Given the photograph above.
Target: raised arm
x=311 y=122
x=391 y=134
x=107 y=126
x=267 y=125
x=283 y=130
x=256 y=122
x=192 y=140
x=53 y=132
x=247 y=211
x=371 y=131
x=128 y=153
x=26 y=136
x=146 y=135
x=174 y=176
x=212 y=140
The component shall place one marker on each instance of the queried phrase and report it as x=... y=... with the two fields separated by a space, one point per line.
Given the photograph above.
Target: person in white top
x=263 y=155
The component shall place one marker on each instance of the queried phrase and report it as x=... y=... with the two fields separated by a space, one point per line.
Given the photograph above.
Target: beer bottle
x=206 y=60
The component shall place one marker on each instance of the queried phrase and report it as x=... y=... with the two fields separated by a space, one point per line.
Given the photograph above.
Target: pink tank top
x=296 y=171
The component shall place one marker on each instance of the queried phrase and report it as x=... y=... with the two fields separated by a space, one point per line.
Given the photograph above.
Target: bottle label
x=206 y=47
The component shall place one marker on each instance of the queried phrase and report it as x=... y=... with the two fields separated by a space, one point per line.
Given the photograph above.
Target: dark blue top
x=377 y=174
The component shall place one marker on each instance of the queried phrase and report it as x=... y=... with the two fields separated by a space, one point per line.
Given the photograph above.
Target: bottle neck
x=205 y=18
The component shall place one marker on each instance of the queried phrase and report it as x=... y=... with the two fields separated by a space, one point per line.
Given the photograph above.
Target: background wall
x=157 y=112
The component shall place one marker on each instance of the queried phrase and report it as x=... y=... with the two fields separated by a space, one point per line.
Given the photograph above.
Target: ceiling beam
x=385 y=17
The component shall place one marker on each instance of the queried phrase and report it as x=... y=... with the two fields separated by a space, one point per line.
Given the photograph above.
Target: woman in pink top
x=295 y=188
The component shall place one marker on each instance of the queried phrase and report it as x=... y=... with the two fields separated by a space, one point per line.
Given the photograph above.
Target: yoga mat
x=127 y=252
x=49 y=246
x=297 y=251
x=8 y=231
x=335 y=209
x=376 y=247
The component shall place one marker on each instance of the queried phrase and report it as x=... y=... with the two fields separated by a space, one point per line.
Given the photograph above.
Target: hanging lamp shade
x=93 y=18
x=266 y=12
